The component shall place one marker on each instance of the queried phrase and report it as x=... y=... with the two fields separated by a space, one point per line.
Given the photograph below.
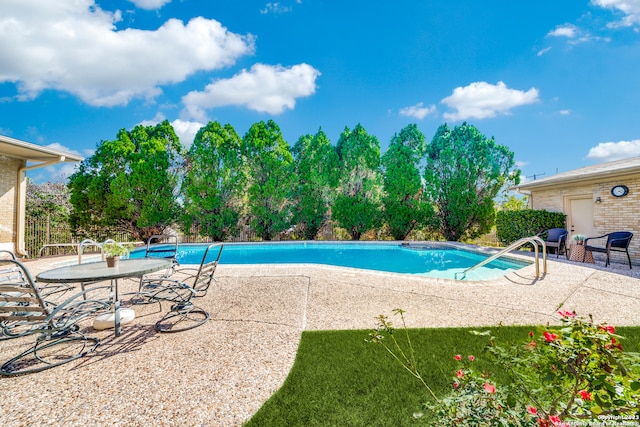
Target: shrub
x=576 y=372
x=514 y=225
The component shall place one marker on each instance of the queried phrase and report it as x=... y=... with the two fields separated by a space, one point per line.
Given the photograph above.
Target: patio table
x=578 y=253
x=98 y=271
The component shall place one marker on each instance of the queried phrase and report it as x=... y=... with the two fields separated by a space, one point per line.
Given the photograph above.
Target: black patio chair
x=616 y=242
x=188 y=284
x=555 y=238
x=24 y=312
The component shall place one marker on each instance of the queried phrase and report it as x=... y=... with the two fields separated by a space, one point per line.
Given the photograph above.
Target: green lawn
x=338 y=379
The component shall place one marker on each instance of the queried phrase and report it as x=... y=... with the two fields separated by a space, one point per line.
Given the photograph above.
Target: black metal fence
x=44 y=237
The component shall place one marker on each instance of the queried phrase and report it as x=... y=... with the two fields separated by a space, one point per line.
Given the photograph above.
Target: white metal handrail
x=87 y=243
x=534 y=240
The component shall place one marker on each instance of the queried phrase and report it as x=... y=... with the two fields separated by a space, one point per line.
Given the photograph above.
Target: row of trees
x=143 y=181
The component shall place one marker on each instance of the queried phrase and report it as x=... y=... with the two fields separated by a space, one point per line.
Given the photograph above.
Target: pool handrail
x=534 y=240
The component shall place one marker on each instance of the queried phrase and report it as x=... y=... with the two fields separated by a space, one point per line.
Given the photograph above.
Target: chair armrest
x=594 y=238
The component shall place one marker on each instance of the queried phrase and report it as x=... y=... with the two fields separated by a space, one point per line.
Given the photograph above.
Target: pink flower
x=567 y=314
x=456 y=385
x=555 y=420
x=531 y=410
x=585 y=394
x=460 y=373
x=472 y=358
x=489 y=388
x=458 y=357
x=549 y=337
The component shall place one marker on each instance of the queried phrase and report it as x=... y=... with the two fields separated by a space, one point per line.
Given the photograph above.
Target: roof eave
x=34 y=153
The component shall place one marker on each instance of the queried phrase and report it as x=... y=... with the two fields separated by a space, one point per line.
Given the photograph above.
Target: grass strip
x=338 y=379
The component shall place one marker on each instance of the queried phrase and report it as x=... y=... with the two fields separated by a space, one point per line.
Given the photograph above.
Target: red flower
x=609 y=328
x=542 y=422
x=456 y=385
x=460 y=373
x=531 y=410
x=555 y=420
x=472 y=358
x=458 y=357
x=530 y=334
x=585 y=394
x=549 y=337
x=567 y=314
x=489 y=388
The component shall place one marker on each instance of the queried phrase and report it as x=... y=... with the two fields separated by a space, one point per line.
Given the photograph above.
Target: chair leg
x=629 y=259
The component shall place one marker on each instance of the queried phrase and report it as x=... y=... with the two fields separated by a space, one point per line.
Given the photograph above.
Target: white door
x=580 y=218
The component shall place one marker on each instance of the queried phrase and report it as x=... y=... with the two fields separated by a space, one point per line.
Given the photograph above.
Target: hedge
x=514 y=225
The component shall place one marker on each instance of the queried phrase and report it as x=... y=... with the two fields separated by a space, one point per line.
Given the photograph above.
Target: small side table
x=577 y=253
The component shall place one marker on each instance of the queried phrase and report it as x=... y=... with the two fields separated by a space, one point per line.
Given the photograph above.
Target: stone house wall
x=611 y=214
x=8 y=203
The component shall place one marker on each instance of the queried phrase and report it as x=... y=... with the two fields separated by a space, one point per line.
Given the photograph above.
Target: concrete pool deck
x=220 y=373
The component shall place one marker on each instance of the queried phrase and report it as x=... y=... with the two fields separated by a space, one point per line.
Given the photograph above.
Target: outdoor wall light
x=598 y=199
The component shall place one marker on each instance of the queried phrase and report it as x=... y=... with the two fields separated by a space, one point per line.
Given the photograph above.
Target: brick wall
x=611 y=214
x=8 y=173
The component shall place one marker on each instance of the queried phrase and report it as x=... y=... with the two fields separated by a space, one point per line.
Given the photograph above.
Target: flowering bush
x=578 y=371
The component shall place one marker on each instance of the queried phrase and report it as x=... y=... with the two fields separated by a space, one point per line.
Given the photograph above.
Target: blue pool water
x=433 y=259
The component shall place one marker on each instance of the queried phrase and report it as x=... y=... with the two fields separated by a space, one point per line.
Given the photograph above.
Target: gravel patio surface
x=219 y=374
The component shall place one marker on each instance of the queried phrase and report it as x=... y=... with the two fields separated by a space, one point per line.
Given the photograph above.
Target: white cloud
x=263 y=88
x=276 y=8
x=481 y=100
x=609 y=151
x=150 y=4
x=73 y=46
x=419 y=111
x=543 y=51
x=569 y=31
x=565 y=112
x=60 y=147
x=630 y=9
x=186 y=130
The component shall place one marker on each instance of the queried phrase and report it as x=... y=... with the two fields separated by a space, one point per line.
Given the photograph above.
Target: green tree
x=214 y=182
x=316 y=164
x=464 y=173
x=47 y=200
x=405 y=207
x=357 y=206
x=513 y=203
x=130 y=183
x=271 y=179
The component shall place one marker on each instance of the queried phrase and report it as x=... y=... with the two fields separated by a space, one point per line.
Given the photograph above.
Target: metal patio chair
x=163 y=246
x=24 y=312
x=180 y=290
x=555 y=238
x=47 y=291
x=616 y=242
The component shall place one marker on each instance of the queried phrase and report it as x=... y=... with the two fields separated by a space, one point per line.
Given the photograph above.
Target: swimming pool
x=428 y=259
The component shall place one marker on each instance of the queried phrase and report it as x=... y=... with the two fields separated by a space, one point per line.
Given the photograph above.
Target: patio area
x=219 y=374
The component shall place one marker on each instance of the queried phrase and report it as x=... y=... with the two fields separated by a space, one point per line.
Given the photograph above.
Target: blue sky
x=558 y=82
